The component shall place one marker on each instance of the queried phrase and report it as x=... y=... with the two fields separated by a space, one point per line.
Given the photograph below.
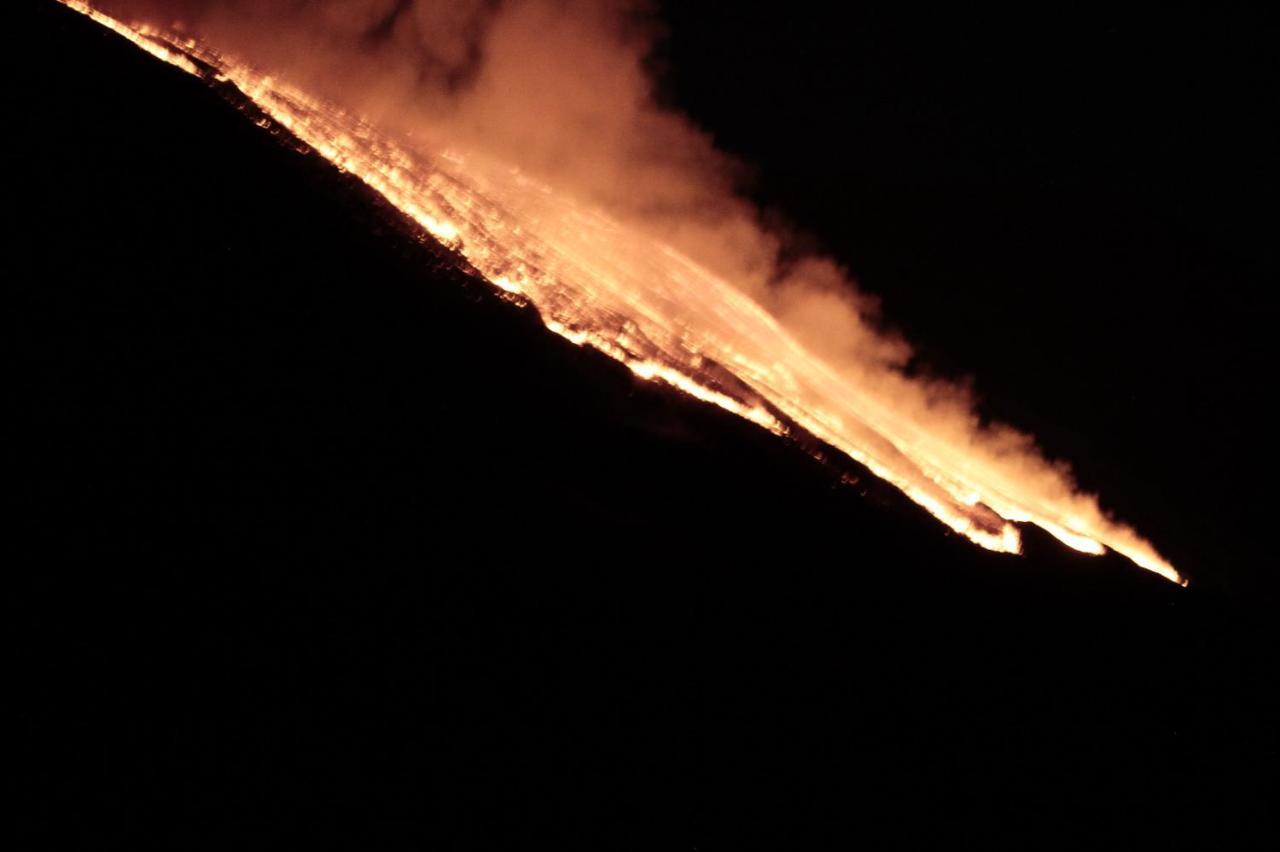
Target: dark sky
x=320 y=544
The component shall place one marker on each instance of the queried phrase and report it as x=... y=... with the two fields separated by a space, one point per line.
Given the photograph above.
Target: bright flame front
x=598 y=283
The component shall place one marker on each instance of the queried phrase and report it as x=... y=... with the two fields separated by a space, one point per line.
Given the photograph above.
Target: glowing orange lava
x=598 y=283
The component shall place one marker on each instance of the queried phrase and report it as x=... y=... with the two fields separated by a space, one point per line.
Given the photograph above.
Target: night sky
x=319 y=543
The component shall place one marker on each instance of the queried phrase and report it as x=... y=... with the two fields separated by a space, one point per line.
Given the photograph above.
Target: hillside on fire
x=325 y=540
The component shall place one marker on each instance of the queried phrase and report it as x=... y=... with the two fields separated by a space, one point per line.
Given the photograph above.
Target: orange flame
x=599 y=283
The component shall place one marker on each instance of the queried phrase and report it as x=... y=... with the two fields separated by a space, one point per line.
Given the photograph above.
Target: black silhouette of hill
x=322 y=543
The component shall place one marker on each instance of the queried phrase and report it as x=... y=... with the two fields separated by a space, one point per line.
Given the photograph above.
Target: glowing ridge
x=597 y=284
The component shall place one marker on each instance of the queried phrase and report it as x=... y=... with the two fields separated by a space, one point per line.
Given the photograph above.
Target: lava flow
x=598 y=281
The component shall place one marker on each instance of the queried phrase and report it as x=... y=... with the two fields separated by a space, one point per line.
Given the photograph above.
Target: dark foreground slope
x=324 y=544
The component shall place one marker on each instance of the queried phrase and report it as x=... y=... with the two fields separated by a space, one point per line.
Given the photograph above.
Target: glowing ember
x=599 y=283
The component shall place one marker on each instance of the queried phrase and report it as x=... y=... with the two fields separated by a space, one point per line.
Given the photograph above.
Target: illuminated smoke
x=525 y=135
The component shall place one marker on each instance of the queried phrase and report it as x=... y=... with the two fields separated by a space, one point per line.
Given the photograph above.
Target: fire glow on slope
x=598 y=283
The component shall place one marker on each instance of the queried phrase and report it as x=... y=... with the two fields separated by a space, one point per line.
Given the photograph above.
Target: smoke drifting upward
x=559 y=89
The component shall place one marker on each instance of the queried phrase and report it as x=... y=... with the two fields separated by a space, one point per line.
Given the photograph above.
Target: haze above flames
x=560 y=90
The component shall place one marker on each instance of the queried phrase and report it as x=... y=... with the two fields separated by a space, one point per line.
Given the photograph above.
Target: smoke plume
x=560 y=88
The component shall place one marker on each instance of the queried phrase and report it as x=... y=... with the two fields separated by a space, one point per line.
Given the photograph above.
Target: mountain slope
x=326 y=541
